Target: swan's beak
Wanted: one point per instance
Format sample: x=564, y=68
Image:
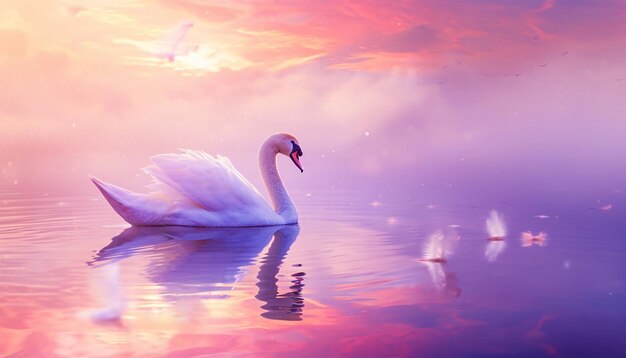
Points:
x=296, y=160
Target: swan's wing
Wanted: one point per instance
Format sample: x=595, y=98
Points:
x=174, y=38
x=210, y=182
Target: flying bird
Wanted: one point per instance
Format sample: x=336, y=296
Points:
x=171, y=44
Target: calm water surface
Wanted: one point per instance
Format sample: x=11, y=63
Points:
x=76, y=281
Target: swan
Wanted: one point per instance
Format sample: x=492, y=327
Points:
x=197, y=189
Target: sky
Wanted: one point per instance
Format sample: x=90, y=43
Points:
x=410, y=96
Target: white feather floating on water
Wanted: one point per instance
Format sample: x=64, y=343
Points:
x=528, y=239
x=439, y=247
x=496, y=228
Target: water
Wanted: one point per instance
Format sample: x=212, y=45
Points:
x=76, y=281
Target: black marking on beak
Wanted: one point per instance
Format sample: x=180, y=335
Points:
x=296, y=153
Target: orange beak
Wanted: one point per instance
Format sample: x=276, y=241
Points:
x=296, y=160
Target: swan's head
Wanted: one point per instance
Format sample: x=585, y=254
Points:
x=288, y=145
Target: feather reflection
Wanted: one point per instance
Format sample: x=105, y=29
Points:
x=494, y=249
x=437, y=249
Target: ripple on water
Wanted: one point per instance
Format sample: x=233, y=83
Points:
x=347, y=277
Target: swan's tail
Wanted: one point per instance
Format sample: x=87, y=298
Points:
x=122, y=201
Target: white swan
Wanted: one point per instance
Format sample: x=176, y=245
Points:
x=197, y=189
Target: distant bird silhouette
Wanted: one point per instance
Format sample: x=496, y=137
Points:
x=168, y=48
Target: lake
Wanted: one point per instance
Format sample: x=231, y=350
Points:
x=75, y=280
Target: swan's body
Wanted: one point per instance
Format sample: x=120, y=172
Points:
x=197, y=189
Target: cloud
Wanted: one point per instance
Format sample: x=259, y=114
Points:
x=431, y=84
x=204, y=11
x=13, y=42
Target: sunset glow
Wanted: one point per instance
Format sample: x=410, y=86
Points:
x=495, y=120
x=416, y=75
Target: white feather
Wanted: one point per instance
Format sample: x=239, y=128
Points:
x=495, y=225
x=439, y=247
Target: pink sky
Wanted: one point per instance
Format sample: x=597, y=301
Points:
x=371, y=88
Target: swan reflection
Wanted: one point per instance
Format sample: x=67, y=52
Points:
x=286, y=306
x=114, y=303
x=200, y=262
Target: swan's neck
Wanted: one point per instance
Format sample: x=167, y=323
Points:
x=274, y=184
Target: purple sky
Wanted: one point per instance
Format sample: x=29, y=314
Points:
x=442, y=93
